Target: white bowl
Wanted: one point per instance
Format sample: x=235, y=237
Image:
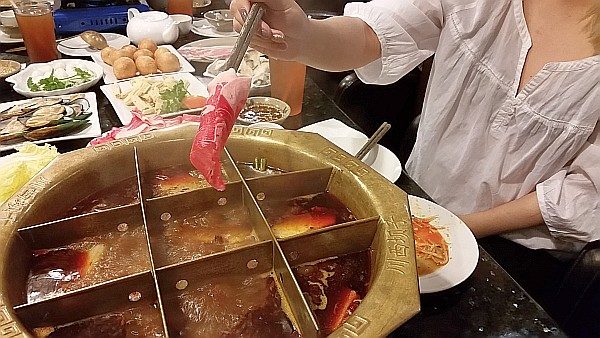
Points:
x=221, y=19
x=8, y=19
x=20, y=79
x=184, y=22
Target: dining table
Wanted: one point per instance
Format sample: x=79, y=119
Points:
x=488, y=303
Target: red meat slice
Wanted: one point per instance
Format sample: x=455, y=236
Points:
x=228, y=94
x=339, y=309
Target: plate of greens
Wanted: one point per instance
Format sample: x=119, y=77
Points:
x=160, y=94
x=57, y=77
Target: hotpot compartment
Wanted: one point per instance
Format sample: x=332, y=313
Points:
x=166, y=169
x=202, y=222
x=335, y=274
x=304, y=201
x=243, y=292
x=270, y=157
x=90, y=273
x=88, y=186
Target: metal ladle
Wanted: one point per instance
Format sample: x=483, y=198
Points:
x=94, y=39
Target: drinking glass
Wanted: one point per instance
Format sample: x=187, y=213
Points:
x=37, y=27
x=287, y=83
x=180, y=7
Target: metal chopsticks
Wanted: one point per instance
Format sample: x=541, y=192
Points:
x=373, y=140
x=243, y=41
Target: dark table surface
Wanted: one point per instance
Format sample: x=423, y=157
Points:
x=488, y=303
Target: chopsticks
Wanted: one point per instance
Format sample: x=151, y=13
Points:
x=243, y=41
x=373, y=140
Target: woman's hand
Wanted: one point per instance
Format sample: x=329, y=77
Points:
x=334, y=44
x=283, y=32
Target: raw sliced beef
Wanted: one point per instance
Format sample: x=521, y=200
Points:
x=228, y=94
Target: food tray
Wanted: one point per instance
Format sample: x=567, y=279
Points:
x=109, y=75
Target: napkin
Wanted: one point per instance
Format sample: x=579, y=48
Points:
x=351, y=140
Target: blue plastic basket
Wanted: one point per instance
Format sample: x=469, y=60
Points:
x=100, y=19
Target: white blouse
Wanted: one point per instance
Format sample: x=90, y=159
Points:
x=480, y=142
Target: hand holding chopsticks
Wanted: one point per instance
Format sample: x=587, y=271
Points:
x=243, y=41
x=373, y=140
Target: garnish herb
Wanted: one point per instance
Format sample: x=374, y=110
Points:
x=53, y=83
x=172, y=97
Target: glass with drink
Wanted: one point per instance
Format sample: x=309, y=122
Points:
x=180, y=7
x=37, y=27
x=287, y=83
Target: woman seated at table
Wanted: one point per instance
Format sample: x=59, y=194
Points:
x=508, y=137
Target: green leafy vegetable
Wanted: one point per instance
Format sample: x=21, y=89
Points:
x=32, y=86
x=53, y=83
x=173, y=97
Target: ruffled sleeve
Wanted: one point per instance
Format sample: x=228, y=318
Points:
x=570, y=199
x=408, y=31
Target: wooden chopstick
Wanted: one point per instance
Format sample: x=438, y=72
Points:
x=373, y=140
x=249, y=28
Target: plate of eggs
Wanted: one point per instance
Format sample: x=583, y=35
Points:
x=144, y=59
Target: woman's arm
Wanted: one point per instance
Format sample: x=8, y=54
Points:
x=568, y=203
x=518, y=214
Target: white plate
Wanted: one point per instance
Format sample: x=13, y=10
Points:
x=203, y=28
x=462, y=246
x=351, y=140
x=77, y=47
x=5, y=38
x=90, y=132
x=211, y=42
x=109, y=76
x=212, y=70
x=124, y=112
x=20, y=79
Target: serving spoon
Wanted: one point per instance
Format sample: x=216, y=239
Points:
x=94, y=39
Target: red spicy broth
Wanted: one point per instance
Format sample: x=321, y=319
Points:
x=301, y=214
x=122, y=193
x=143, y=321
x=334, y=287
x=232, y=306
x=176, y=180
x=89, y=261
x=204, y=232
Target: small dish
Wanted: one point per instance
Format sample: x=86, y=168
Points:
x=75, y=46
x=13, y=32
x=203, y=28
x=10, y=37
x=19, y=80
x=350, y=140
x=221, y=19
x=8, y=68
x=264, y=109
x=184, y=22
x=254, y=64
x=8, y=19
